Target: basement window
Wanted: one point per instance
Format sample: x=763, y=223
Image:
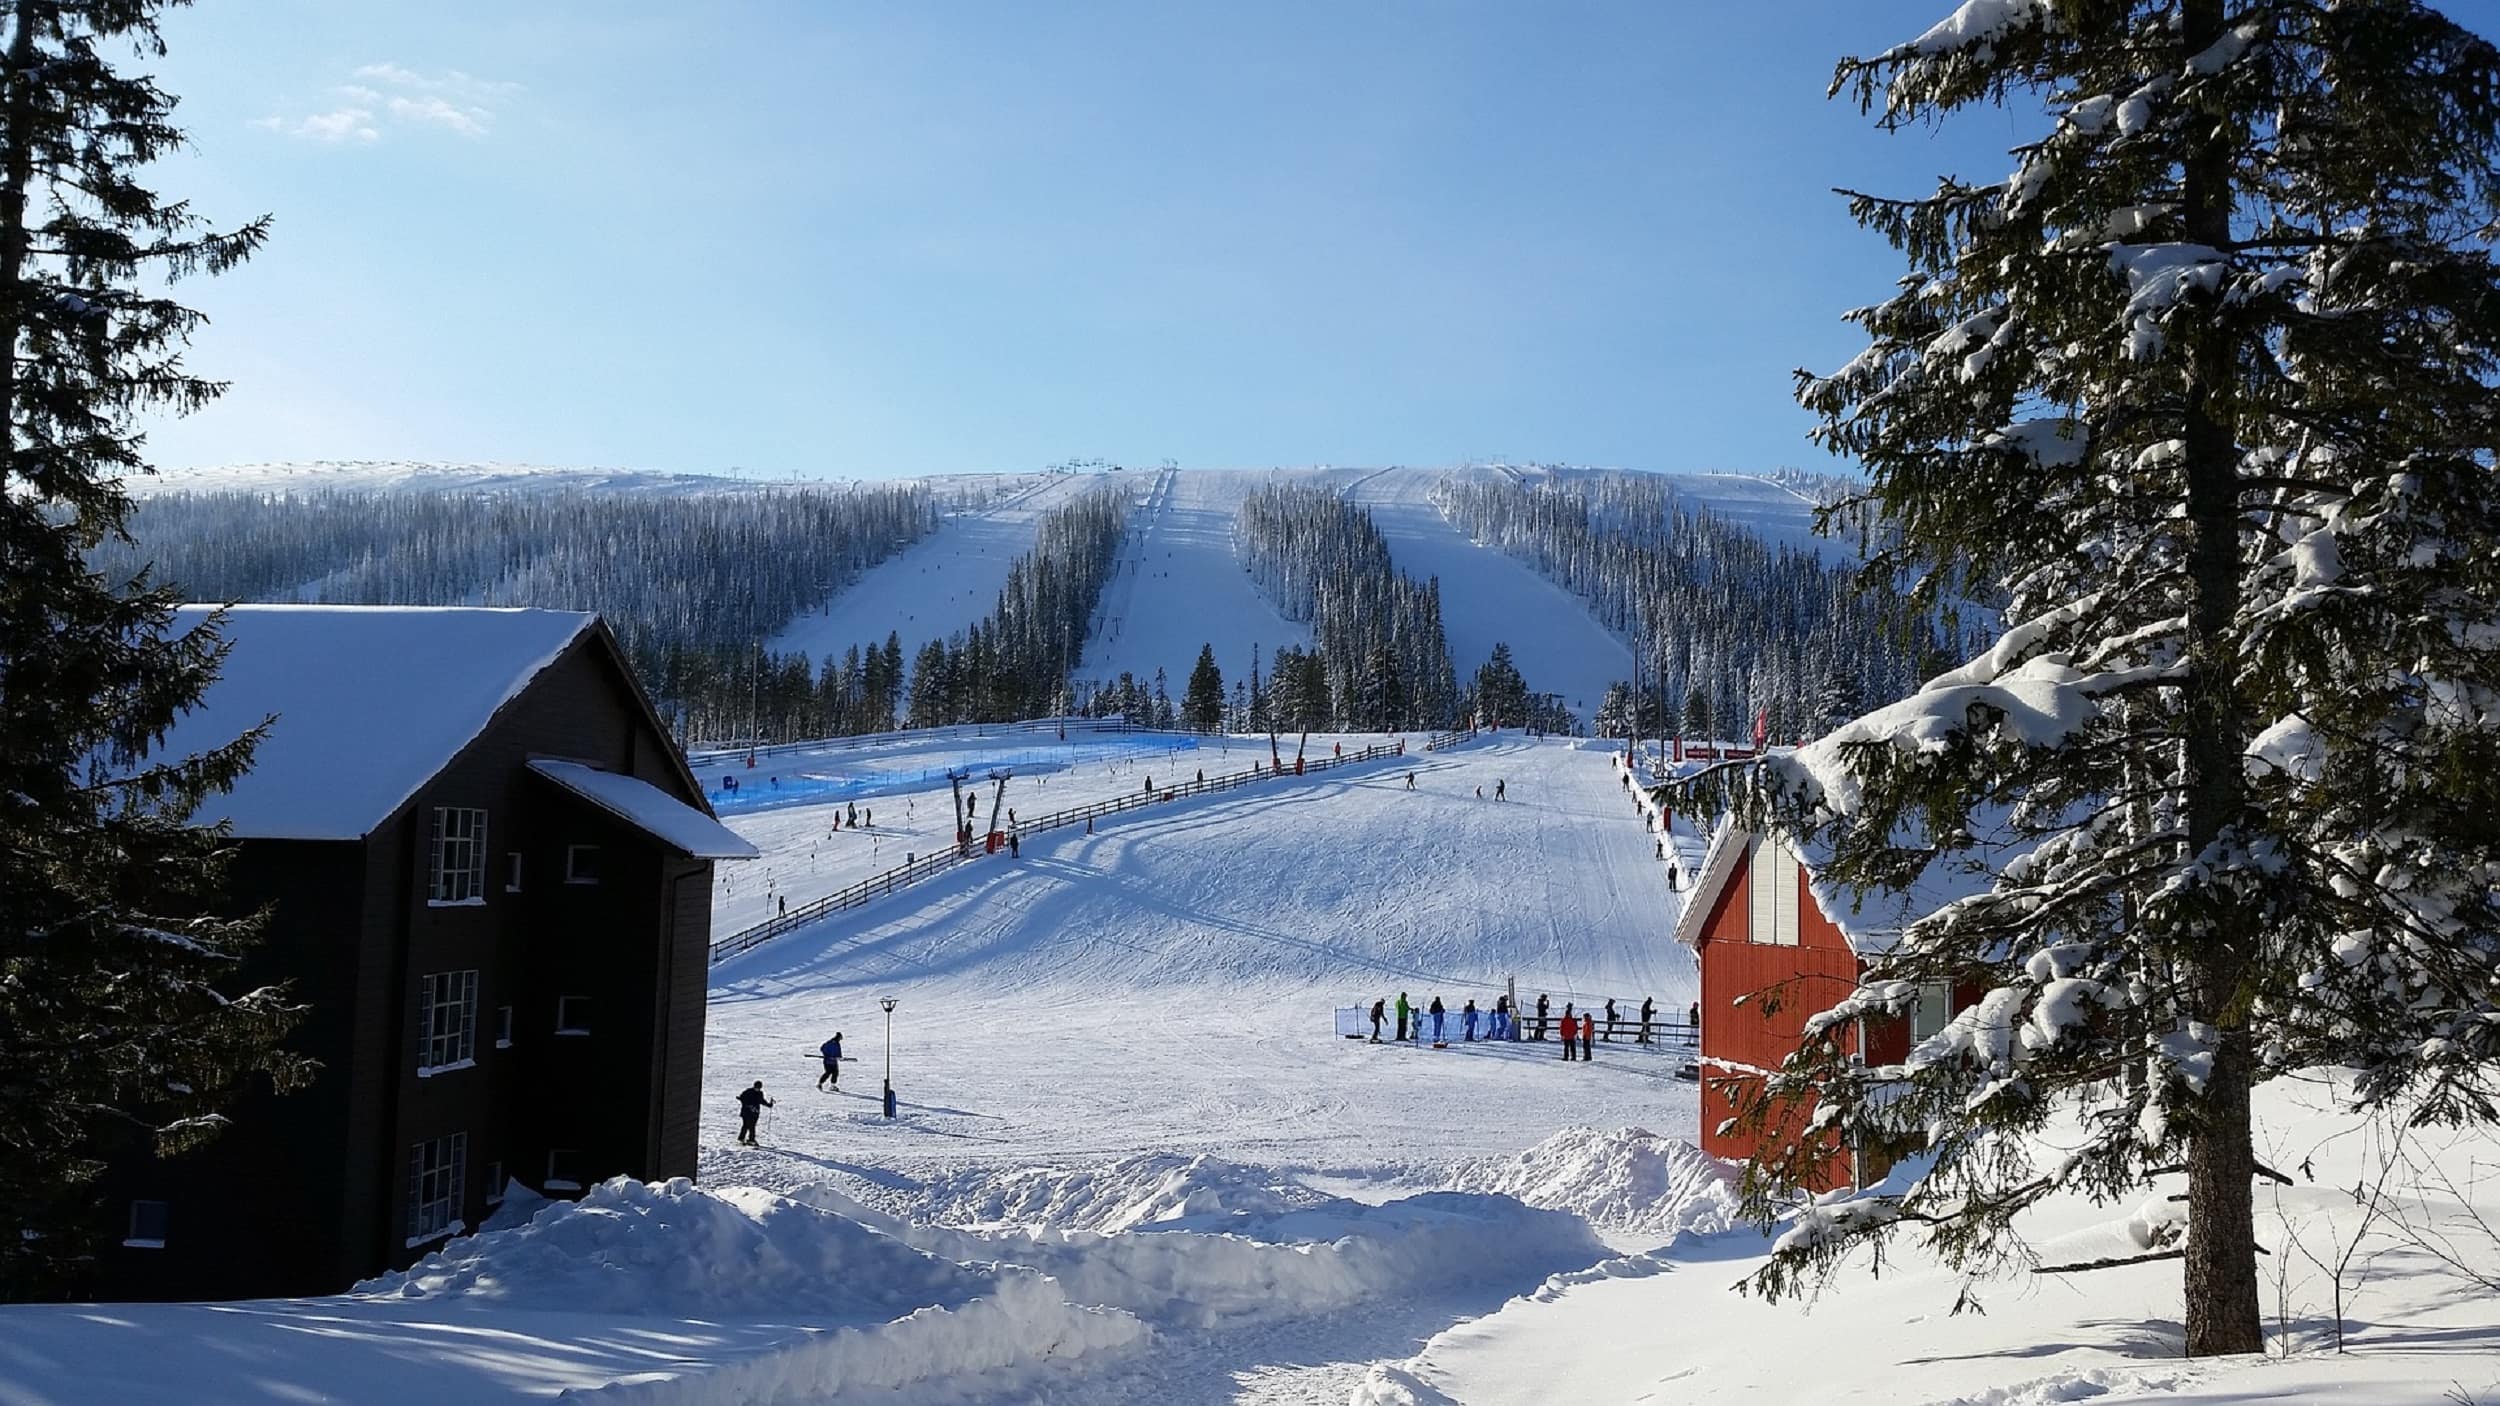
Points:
x=572, y=1015
x=564, y=1169
x=581, y=864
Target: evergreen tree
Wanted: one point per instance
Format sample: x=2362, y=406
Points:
x=1202, y=702
x=116, y=1038
x=2207, y=386
x=1501, y=694
x=1697, y=724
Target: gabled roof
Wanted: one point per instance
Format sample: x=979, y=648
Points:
x=1870, y=921
x=369, y=703
x=649, y=809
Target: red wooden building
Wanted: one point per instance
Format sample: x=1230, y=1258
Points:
x=1772, y=955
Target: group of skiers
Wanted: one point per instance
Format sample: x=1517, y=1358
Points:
x=1577, y=1027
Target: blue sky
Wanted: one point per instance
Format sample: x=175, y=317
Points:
x=833, y=239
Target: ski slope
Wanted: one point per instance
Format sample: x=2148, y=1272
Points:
x=945, y=582
x=1167, y=982
x=1489, y=598
x=1180, y=586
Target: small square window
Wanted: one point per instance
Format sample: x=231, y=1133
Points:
x=494, y=1182
x=564, y=1169
x=503, y=1027
x=512, y=871
x=148, y=1222
x=581, y=864
x=572, y=1015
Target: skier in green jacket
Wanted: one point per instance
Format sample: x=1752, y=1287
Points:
x=1404, y=1011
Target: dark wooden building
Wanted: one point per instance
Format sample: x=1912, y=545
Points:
x=491, y=875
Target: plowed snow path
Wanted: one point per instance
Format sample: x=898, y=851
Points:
x=1488, y=598
x=1168, y=984
x=942, y=583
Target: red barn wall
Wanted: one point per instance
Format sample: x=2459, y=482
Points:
x=1755, y=1000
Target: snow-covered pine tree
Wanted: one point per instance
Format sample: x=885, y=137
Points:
x=1202, y=701
x=2206, y=385
x=115, y=1037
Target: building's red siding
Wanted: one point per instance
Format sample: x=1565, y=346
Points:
x=1755, y=999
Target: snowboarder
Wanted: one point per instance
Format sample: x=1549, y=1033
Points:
x=1467, y=1020
x=1403, y=1009
x=1570, y=1028
x=1437, y=1017
x=1649, y=1007
x=751, y=1106
x=1379, y=1007
x=1610, y=1020
x=1588, y=1034
x=832, y=1051
x=1540, y=1016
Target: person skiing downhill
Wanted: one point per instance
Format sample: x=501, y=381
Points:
x=1404, y=1010
x=1437, y=1017
x=751, y=1106
x=1467, y=1020
x=832, y=1051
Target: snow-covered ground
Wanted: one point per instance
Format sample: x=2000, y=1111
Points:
x=1209, y=942
x=2418, y=1256
x=945, y=582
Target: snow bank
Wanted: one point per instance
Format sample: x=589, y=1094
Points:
x=871, y=1311
x=1239, y=1269
x=1145, y=1189
x=1008, y=1337
x=677, y=1250
x=1622, y=1179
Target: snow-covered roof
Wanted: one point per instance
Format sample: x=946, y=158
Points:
x=649, y=809
x=1870, y=921
x=370, y=702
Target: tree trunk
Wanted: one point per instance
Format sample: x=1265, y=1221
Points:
x=2221, y=1282
x=2221, y=1279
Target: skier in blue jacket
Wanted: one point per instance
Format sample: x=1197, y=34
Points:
x=832, y=1051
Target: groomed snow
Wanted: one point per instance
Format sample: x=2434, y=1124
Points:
x=1181, y=585
x=336, y=678
x=946, y=581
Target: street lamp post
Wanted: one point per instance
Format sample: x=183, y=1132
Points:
x=889, y=1003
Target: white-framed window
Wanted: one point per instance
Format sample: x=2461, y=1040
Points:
x=581, y=864
x=1772, y=878
x=149, y=1221
x=572, y=1015
x=564, y=1169
x=446, y=1022
x=512, y=871
x=437, y=1169
x=458, y=871
x=494, y=1182
x=1934, y=1008
x=503, y=1027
